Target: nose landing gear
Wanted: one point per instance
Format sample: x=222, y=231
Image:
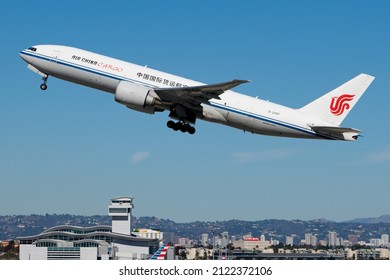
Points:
x=182, y=126
x=43, y=86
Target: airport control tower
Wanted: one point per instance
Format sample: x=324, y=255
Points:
x=120, y=211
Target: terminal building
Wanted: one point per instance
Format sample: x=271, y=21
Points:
x=102, y=242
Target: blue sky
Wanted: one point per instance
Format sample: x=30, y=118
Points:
x=71, y=149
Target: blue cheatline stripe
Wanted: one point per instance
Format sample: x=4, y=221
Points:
x=213, y=104
x=262, y=118
x=84, y=68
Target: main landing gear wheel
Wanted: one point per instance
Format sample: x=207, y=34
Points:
x=183, y=127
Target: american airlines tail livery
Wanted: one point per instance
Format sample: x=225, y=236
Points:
x=149, y=91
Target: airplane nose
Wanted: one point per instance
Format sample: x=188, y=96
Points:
x=27, y=54
x=24, y=56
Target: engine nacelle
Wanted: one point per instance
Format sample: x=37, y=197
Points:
x=136, y=97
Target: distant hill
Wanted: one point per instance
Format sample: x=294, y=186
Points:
x=13, y=226
x=381, y=219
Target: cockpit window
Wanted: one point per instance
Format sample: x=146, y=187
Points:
x=32, y=49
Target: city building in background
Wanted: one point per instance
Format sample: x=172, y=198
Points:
x=289, y=240
x=385, y=239
x=204, y=240
x=251, y=243
x=149, y=233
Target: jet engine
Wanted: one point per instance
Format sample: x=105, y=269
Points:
x=136, y=97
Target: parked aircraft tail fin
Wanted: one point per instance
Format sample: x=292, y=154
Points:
x=334, y=106
x=161, y=253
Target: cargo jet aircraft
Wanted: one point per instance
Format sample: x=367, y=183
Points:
x=149, y=91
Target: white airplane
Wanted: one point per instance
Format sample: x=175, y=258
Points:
x=146, y=90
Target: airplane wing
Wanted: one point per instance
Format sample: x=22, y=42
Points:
x=343, y=133
x=192, y=97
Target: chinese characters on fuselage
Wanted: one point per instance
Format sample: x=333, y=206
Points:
x=159, y=80
x=145, y=76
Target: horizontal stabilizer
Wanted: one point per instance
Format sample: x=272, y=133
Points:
x=340, y=133
x=328, y=129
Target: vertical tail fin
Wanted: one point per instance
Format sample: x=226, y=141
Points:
x=334, y=106
x=161, y=253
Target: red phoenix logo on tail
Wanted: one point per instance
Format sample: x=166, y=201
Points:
x=340, y=104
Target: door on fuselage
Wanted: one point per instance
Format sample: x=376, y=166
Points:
x=54, y=56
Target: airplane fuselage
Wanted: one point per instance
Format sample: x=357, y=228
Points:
x=233, y=109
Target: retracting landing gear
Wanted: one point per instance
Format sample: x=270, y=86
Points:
x=185, y=116
x=182, y=126
x=43, y=86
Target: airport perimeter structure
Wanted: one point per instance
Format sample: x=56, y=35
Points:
x=91, y=243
